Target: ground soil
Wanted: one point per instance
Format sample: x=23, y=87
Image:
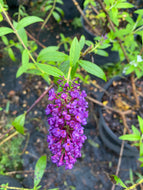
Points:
x=120, y=97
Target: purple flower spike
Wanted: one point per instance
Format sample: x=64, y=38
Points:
x=67, y=115
x=52, y=94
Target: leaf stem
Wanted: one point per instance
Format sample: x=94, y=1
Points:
x=69, y=72
x=15, y=31
x=49, y=15
x=8, y=138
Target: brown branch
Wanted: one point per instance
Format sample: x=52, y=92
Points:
x=39, y=43
x=134, y=90
x=39, y=99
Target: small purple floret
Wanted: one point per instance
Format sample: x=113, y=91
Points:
x=67, y=114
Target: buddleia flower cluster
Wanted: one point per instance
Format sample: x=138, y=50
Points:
x=67, y=115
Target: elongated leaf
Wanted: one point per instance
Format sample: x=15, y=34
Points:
x=5, y=30
x=23, y=69
x=23, y=35
x=5, y=40
x=141, y=159
x=44, y=51
x=139, y=11
x=82, y=42
x=119, y=181
x=74, y=52
x=56, y=16
x=141, y=149
x=11, y=54
x=140, y=123
x=60, y=10
x=39, y=169
x=50, y=70
x=18, y=123
x=102, y=53
x=25, y=57
x=130, y=137
x=92, y=69
x=52, y=56
x=27, y=21
x=64, y=67
x=124, y=5
x=135, y=130
x=60, y=1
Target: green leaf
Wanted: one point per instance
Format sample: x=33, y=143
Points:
x=27, y=21
x=102, y=53
x=23, y=35
x=1, y=17
x=5, y=40
x=74, y=52
x=92, y=143
x=124, y=5
x=60, y=1
x=25, y=57
x=48, y=55
x=23, y=69
x=11, y=54
x=140, y=120
x=130, y=137
x=5, y=30
x=140, y=159
x=119, y=181
x=18, y=123
x=141, y=149
x=135, y=130
x=139, y=11
x=46, y=77
x=82, y=42
x=39, y=169
x=50, y=70
x=48, y=7
x=92, y=69
x=56, y=16
x=1, y=108
x=64, y=67
x=60, y=10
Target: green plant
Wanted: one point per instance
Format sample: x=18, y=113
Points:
x=136, y=137
x=55, y=11
x=76, y=22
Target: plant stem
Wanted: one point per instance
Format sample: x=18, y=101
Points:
x=39, y=99
x=8, y=138
x=16, y=188
x=15, y=31
x=134, y=90
x=135, y=185
x=69, y=72
x=84, y=17
x=49, y=15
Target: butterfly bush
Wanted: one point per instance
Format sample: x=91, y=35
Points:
x=68, y=114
